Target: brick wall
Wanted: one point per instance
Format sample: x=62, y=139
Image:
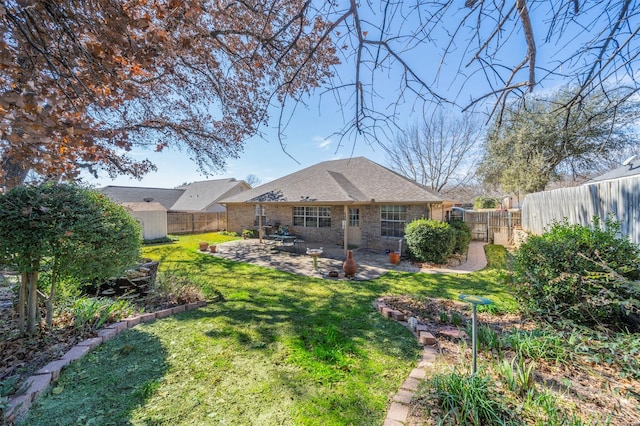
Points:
x=370, y=223
x=243, y=216
x=239, y=217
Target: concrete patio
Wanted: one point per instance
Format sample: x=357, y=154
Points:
x=371, y=263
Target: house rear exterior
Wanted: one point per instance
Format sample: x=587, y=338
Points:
x=355, y=202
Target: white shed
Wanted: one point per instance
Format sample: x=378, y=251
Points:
x=152, y=217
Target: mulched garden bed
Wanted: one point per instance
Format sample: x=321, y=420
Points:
x=594, y=389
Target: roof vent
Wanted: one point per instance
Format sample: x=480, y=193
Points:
x=148, y=199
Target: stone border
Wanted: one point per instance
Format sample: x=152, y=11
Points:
x=401, y=402
x=19, y=404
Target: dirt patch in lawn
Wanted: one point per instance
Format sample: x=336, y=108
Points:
x=591, y=390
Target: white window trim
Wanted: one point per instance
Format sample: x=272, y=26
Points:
x=317, y=216
x=402, y=221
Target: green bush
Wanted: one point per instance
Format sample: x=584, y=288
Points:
x=91, y=313
x=485, y=203
x=497, y=256
x=581, y=273
x=429, y=240
x=62, y=231
x=172, y=289
x=228, y=233
x=463, y=236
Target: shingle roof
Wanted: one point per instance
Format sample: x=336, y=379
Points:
x=631, y=169
x=199, y=195
x=196, y=196
x=354, y=180
x=144, y=207
x=132, y=194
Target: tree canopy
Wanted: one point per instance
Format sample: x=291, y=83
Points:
x=539, y=140
x=84, y=83
x=409, y=56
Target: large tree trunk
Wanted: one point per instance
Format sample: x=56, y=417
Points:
x=28, y=302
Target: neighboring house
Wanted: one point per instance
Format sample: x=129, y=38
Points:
x=133, y=194
x=152, y=218
x=630, y=168
x=204, y=196
x=200, y=196
x=195, y=198
x=616, y=193
x=354, y=202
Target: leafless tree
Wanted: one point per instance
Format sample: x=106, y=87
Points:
x=252, y=180
x=438, y=153
x=410, y=55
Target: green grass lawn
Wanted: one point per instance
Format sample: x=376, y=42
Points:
x=271, y=348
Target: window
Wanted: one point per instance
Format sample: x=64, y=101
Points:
x=264, y=216
x=392, y=221
x=312, y=217
x=354, y=217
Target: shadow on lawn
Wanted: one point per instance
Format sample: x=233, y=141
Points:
x=106, y=385
x=328, y=346
x=334, y=339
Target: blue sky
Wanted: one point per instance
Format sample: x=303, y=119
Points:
x=307, y=141
x=309, y=137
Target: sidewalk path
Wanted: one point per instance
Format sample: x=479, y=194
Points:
x=476, y=260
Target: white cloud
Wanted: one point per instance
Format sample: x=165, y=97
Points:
x=321, y=142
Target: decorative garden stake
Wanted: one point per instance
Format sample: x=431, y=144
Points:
x=474, y=300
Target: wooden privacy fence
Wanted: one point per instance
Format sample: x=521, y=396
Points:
x=580, y=204
x=494, y=226
x=195, y=222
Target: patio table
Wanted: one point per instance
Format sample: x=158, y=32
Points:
x=285, y=240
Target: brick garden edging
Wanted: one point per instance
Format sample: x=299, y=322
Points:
x=20, y=403
x=400, y=407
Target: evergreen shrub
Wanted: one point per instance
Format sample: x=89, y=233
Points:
x=587, y=274
x=430, y=240
x=463, y=236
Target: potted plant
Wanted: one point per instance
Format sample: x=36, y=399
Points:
x=203, y=245
x=394, y=257
x=247, y=233
x=212, y=248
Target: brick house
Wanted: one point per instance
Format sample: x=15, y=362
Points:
x=351, y=202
